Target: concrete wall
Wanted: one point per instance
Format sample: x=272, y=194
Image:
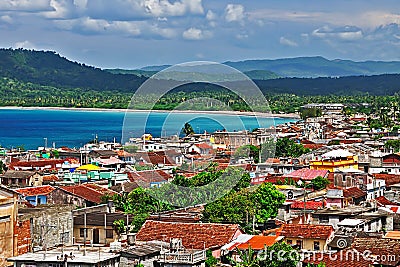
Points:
x=8, y=218
x=50, y=225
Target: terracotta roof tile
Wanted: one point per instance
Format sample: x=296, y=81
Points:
x=379, y=247
x=35, y=191
x=307, y=174
x=306, y=231
x=193, y=235
x=310, y=205
x=383, y=201
x=390, y=179
x=354, y=192
x=258, y=242
x=89, y=192
x=344, y=258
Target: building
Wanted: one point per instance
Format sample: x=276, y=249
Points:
x=307, y=236
x=196, y=236
x=49, y=225
x=335, y=160
x=35, y=195
x=8, y=221
x=13, y=178
x=68, y=256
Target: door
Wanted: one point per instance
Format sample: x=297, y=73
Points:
x=96, y=239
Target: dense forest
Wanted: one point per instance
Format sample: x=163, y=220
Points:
x=38, y=78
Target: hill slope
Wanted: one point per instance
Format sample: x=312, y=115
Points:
x=317, y=67
x=50, y=69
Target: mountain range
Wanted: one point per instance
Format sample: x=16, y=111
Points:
x=294, y=75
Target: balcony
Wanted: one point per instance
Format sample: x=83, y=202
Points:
x=185, y=257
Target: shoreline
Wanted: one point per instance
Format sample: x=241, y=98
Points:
x=220, y=112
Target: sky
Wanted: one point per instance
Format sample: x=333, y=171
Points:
x=136, y=33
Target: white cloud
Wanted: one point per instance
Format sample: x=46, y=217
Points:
x=347, y=33
x=165, y=8
x=196, y=34
x=127, y=28
x=6, y=19
x=285, y=41
x=24, y=44
x=211, y=15
x=25, y=5
x=234, y=12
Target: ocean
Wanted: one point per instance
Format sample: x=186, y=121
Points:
x=32, y=128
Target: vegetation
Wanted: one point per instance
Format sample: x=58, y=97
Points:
x=187, y=129
x=310, y=113
x=286, y=147
x=211, y=261
x=245, y=207
x=279, y=254
x=393, y=144
x=319, y=183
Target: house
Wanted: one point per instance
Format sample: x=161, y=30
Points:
x=98, y=222
x=8, y=220
x=71, y=256
x=84, y=195
x=49, y=225
x=385, y=251
x=193, y=235
x=13, y=178
x=338, y=159
x=332, y=216
x=341, y=198
x=307, y=236
x=200, y=148
x=389, y=164
x=184, y=215
x=35, y=195
x=149, y=178
x=306, y=174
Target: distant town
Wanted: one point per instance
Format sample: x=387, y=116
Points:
x=321, y=191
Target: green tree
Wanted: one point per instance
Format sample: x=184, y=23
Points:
x=248, y=151
x=211, y=261
x=319, y=183
x=280, y=254
x=248, y=258
x=187, y=129
x=286, y=147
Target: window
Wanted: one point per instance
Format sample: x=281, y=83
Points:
x=344, y=178
x=289, y=242
x=299, y=244
x=82, y=232
x=109, y=233
x=316, y=245
x=324, y=219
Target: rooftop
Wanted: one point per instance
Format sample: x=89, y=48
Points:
x=311, y=231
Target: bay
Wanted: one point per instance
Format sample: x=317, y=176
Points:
x=74, y=128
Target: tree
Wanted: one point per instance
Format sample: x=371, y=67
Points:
x=280, y=254
x=286, y=147
x=267, y=200
x=248, y=151
x=248, y=258
x=187, y=129
x=319, y=183
x=211, y=261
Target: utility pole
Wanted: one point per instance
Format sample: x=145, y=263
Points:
x=84, y=235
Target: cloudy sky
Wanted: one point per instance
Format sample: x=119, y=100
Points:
x=136, y=33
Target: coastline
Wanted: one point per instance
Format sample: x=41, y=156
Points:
x=226, y=112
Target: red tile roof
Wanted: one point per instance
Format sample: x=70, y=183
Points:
x=310, y=231
x=40, y=163
x=344, y=258
x=258, y=242
x=35, y=191
x=50, y=178
x=89, y=192
x=203, y=146
x=354, y=192
x=383, y=201
x=390, y=179
x=193, y=235
x=149, y=176
x=381, y=247
x=310, y=205
x=307, y=174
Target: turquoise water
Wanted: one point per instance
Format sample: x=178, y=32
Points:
x=75, y=128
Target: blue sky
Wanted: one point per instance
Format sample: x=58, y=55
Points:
x=136, y=33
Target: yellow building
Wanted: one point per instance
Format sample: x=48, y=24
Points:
x=335, y=160
x=8, y=222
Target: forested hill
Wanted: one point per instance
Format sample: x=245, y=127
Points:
x=50, y=69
